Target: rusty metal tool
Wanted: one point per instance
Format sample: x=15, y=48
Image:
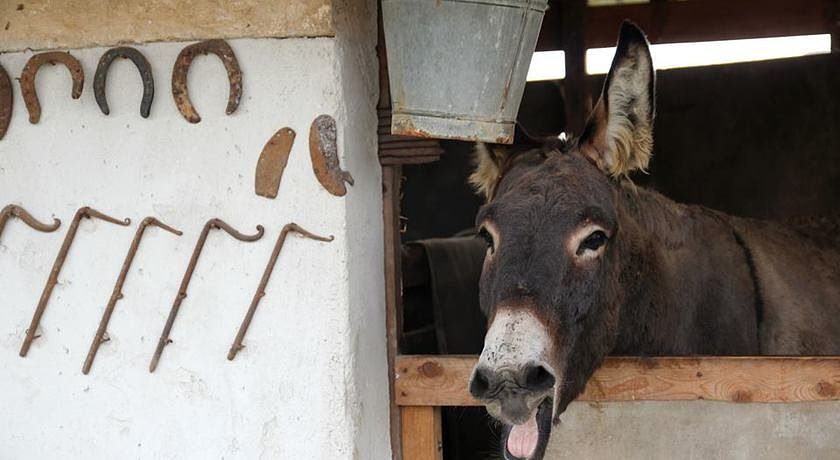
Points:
x=143, y=66
x=16, y=211
x=82, y=213
x=185, y=281
x=323, y=149
x=272, y=261
x=182, y=66
x=117, y=294
x=272, y=162
x=6, y=101
x=30, y=70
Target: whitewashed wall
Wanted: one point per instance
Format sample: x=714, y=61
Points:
x=311, y=382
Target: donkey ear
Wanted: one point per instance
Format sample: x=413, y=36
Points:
x=618, y=136
x=490, y=163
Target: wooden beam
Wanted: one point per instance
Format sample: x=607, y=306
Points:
x=391, y=177
x=698, y=20
x=421, y=432
x=442, y=380
x=577, y=100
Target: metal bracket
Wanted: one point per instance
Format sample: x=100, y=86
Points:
x=101, y=78
x=84, y=212
x=117, y=294
x=16, y=211
x=246, y=322
x=185, y=281
x=30, y=70
x=182, y=65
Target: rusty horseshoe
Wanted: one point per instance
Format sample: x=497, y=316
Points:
x=143, y=66
x=16, y=211
x=185, y=281
x=84, y=212
x=292, y=227
x=323, y=149
x=6, y=101
x=117, y=294
x=182, y=65
x=30, y=70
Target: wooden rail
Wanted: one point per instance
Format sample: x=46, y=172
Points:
x=442, y=380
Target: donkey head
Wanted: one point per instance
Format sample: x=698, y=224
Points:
x=552, y=275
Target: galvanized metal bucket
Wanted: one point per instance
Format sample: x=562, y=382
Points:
x=458, y=67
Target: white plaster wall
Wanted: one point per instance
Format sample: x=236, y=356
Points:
x=294, y=391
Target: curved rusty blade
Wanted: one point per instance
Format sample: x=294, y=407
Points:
x=182, y=66
x=117, y=294
x=30, y=70
x=272, y=261
x=84, y=212
x=323, y=149
x=17, y=211
x=185, y=281
x=272, y=162
x=6, y=101
x=100, y=79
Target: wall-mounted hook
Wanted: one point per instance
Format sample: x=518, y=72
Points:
x=185, y=281
x=16, y=211
x=182, y=66
x=101, y=78
x=6, y=101
x=27, y=79
x=117, y=294
x=84, y=212
x=246, y=322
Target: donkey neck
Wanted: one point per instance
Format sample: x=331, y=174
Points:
x=688, y=285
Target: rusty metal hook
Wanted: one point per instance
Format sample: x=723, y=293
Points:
x=323, y=150
x=117, y=294
x=6, y=101
x=16, y=211
x=185, y=281
x=27, y=79
x=84, y=212
x=246, y=322
x=143, y=66
x=182, y=65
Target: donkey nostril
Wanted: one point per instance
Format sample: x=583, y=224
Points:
x=480, y=383
x=538, y=378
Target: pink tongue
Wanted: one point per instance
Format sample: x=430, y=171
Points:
x=522, y=440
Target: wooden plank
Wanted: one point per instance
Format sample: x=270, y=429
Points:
x=442, y=380
x=698, y=20
x=391, y=177
x=421, y=431
x=48, y=24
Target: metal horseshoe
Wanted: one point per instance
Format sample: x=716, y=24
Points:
x=182, y=65
x=185, y=281
x=117, y=294
x=27, y=79
x=16, y=211
x=6, y=101
x=240, y=335
x=101, y=77
x=84, y=212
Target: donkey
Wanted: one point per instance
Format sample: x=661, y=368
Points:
x=581, y=263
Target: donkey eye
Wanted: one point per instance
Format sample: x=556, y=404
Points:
x=488, y=239
x=592, y=242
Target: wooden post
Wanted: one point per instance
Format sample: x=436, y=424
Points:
x=421, y=431
x=576, y=94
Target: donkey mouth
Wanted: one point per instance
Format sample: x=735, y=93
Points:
x=528, y=440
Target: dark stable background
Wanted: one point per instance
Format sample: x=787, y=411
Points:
x=754, y=139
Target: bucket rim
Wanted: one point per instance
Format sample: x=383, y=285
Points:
x=535, y=5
